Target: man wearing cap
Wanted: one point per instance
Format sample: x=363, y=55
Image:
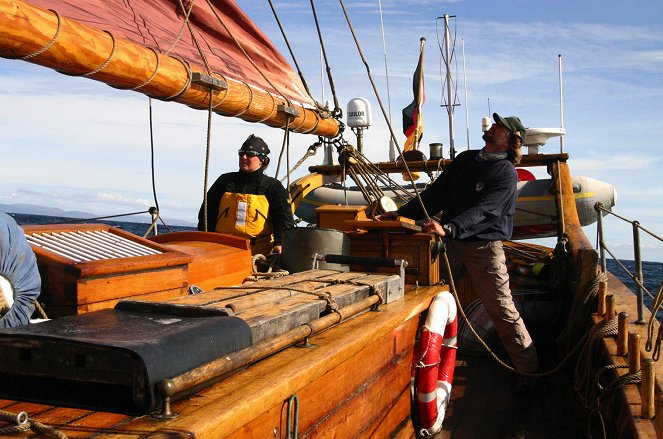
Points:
x=476, y=195
x=249, y=203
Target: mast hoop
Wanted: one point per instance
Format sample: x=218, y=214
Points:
x=225, y=95
x=148, y=80
x=102, y=66
x=50, y=43
x=295, y=129
x=154, y=73
x=248, y=87
x=274, y=107
x=315, y=126
x=186, y=85
x=108, y=60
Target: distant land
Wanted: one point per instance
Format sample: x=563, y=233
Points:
x=33, y=209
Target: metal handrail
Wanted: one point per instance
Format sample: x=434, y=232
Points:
x=638, y=277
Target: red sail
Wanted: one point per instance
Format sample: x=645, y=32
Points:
x=161, y=25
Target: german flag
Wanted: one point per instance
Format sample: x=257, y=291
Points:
x=413, y=118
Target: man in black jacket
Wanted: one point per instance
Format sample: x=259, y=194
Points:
x=476, y=195
x=249, y=203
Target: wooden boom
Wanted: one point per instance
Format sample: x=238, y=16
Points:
x=44, y=37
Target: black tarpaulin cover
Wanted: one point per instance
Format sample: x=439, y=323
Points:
x=111, y=359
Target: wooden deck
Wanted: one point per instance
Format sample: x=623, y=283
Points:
x=485, y=405
x=354, y=379
x=252, y=403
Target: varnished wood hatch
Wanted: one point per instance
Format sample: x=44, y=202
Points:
x=87, y=267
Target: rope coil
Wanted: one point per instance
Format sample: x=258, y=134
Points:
x=583, y=369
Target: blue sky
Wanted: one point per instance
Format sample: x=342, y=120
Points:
x=77, y=144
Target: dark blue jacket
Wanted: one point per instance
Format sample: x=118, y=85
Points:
x=476, y=197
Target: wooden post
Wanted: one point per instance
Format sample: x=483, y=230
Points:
x=610, y=310
x=622, y=334
x=633, y=352
x=647, y=388
x=603, y=290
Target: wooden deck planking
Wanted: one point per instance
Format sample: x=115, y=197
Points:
x=236, y=401
x=484, y=403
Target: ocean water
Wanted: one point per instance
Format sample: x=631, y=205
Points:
x=139, y=229
x=652, y=272
x=652, y=275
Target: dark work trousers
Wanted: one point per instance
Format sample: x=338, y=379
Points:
x=485, y=263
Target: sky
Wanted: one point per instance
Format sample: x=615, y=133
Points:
x=77, y=144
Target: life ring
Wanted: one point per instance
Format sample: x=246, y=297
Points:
x=434, y=366
x=20, y=283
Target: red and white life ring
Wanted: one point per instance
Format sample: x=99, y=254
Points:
x=434, y=365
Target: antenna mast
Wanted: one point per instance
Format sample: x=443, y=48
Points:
x=561, y=107
x=467, y=107
x=450, y=96
x=392, y=151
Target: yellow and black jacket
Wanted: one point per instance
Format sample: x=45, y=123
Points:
x=248, y=204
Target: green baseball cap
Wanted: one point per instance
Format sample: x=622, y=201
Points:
x=513, y=124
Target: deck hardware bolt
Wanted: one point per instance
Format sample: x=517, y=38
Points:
x=166, y=388
x=305, y=344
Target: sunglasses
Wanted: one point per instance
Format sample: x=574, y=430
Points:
x=248, y=154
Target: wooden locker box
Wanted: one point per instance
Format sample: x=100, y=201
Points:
x=85, y=267
x=413, y=247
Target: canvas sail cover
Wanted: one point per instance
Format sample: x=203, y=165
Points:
x=161, y=25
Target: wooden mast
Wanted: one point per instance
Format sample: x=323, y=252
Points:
x=44, y=37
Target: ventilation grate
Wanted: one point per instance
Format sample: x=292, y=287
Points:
x=85, y=246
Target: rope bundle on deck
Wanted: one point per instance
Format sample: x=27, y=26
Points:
x=21, y=422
